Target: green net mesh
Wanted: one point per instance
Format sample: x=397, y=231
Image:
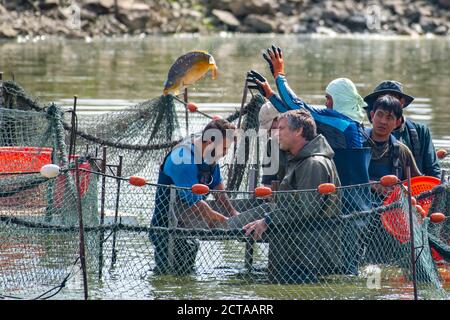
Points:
x=351, y=244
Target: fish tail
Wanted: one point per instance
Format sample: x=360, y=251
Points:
x=214, y=72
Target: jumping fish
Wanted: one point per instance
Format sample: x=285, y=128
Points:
x=189, y=68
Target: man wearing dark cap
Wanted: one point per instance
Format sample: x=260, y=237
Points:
x=416, y=136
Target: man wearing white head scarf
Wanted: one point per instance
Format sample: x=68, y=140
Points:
x=341, y=124
x=345, y=99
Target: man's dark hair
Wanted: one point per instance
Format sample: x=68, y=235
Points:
x=219, y=124
x=301, y=118
x=390, y=104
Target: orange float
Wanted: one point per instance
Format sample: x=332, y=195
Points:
x=137, y=181
x=437, y=217
x=200, y=189
x=326, y=188
x=192, y=107
x=389, y=180
x=263, y=191
x=420, y=210
x=441, y=153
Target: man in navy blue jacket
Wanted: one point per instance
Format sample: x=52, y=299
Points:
x=416, y=136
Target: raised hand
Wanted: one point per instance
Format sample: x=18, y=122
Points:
x=257, y=81
x=274, y=58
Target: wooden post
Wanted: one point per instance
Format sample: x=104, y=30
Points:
x=81, y=231
x=186, y=111
x=73, y=129
x=172, y=225
x=102, y=213
x=275, y=245
x=250, y=242
x=241, y=111
x=116, y=213
x=2, y=101
x=411, y=231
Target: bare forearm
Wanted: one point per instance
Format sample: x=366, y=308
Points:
x=207, y=213
x=224, y=201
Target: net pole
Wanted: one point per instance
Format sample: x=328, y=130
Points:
x=73, y=129
x=250, y=242
x=102, y=212
x=116, y=213
x=186, y=112
x=244, y=98
x=81, y=232
x=172, y=225
x=411, y=231
x=1, y=90
x=443, y=174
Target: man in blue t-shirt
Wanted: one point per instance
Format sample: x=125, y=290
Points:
x=190, y=163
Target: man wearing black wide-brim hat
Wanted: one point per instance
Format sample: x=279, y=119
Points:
x=416, y=136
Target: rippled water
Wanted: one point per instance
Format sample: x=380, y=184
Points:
x=111, y=74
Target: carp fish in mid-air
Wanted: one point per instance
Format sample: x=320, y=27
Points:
x=187, y=69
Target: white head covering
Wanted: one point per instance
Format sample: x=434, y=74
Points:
x=346, y=99
x=267, y=114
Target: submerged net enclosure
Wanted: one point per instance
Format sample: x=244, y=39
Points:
x=353, y=243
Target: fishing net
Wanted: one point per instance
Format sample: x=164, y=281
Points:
x=353, y=243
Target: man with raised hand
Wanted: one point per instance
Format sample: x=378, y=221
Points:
x=340, y=122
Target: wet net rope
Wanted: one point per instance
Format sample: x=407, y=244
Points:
x=351, y=244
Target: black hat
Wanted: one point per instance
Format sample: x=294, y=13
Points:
x=387, y=86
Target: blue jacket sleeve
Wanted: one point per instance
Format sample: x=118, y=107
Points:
x=278, y=103
x=323, y=117
x=289, y=98
x=292, y=102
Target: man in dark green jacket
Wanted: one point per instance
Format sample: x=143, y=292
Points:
x=416, y=136
x=304, y=242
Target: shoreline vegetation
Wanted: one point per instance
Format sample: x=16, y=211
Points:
x=108, y=18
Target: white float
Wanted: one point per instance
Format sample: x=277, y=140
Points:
x=50, y=170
